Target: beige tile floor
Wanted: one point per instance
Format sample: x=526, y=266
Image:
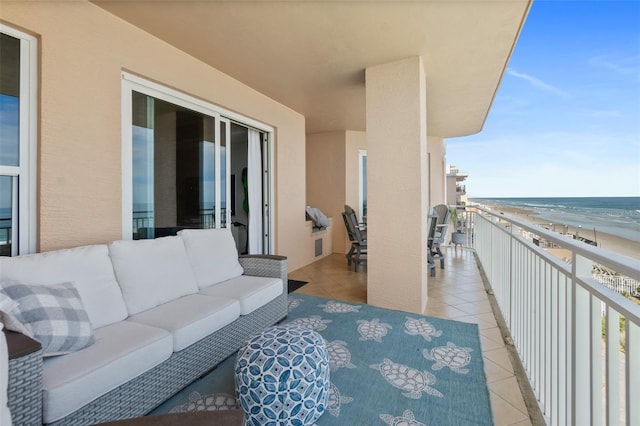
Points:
x=455, y=293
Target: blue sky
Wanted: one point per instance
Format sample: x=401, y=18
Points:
x=566, y=119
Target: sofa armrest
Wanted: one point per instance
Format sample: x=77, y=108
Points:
x=265, y=265
x=20, y=345
x=25, y=378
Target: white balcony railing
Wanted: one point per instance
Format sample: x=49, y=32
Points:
x=579, y=341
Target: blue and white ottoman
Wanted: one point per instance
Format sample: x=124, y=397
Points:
x=282, y=377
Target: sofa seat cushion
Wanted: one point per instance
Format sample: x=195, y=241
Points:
x=121, y=351
x=191, y=318
x=252, y=292
x=88, y=267
x=152, y=272
x=212, y=254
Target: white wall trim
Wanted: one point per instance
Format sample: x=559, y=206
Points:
x=271, y=218
x=127, y=160
x=28, y=131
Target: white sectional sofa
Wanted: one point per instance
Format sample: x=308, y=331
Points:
x=162, y=313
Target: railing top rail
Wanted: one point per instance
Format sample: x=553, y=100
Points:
x=619, y=263
x=621, y=304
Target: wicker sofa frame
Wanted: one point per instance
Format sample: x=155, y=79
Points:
x=25, y=379
x=145, y=392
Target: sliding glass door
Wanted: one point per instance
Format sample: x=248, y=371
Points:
x=180, y=171
x=179, y=168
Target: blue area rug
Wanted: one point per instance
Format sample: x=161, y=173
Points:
x=387, y=367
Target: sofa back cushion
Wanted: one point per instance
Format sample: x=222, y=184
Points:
x=88, y=267
x=212, y=255
x=152, y=272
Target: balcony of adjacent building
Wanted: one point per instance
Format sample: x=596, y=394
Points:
x=456, y=189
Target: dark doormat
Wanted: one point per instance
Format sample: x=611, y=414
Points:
x=295, y=284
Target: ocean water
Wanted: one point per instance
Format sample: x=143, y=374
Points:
x=614, y=215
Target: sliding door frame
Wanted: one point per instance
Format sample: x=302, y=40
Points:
x=131, y=83
x=362, y=181
x=24, y=203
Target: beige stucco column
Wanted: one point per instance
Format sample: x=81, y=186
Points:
x=397, y=185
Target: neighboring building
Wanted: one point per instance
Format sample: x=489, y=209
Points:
x=126, y=117
x=456, y=189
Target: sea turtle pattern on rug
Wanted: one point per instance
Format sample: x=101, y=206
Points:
x=451, y=356
x=293, y=303
x=387, y=367
x=408, y=379
x=314, y=322
x=336, y=400
x=339, y=355
x=333, y=307
x=407, y=419
x=421, y=327
x=373, y=330
x=213, y=402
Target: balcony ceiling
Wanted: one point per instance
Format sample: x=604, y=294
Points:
x=311, y=55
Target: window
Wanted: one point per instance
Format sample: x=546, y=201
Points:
x=177, y=166
x=17, y=142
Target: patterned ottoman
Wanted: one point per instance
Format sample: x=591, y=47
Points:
x=282, y=377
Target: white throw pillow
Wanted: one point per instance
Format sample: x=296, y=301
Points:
x=6, y=303
x=7, y=306
x=53, y=315
x=152, y=272
x=212, y=254
x=88, y=267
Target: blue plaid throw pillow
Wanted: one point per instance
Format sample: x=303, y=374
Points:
x=54, y=316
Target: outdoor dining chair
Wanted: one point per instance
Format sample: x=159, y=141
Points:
x=358, y=251
x=439, y=221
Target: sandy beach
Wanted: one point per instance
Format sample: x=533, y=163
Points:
x=608, y=242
